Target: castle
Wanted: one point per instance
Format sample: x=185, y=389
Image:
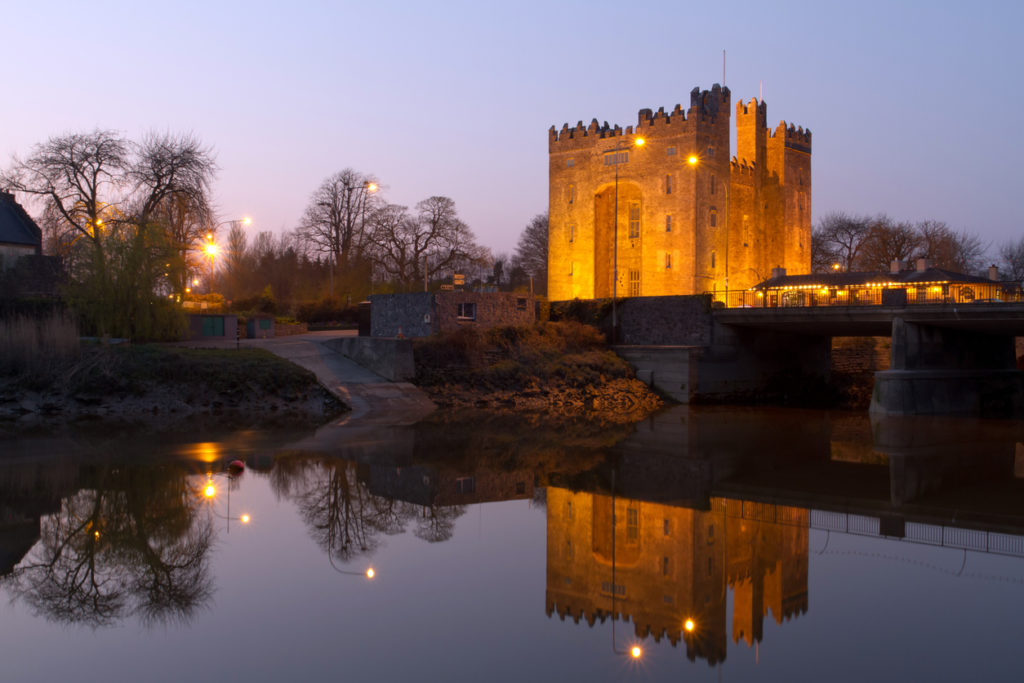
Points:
x=689, y=218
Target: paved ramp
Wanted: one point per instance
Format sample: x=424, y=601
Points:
x=373, y=399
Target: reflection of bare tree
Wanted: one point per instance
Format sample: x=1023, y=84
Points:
x=137, y=550
x=344, y=518
x=436, y=523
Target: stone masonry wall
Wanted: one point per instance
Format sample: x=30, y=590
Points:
x=408, y=314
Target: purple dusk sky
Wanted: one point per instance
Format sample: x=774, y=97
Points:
x=915, y=107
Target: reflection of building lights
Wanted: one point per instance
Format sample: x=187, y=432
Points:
x=689, y=625
x=96, y=534
x=636, y=652
x=370, y=573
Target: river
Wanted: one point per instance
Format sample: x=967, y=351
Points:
x=702, y=544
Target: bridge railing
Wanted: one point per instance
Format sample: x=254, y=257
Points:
x=806, y=297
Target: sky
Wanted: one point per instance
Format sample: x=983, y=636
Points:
x=915, y=107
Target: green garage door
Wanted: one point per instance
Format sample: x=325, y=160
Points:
x=213, y=326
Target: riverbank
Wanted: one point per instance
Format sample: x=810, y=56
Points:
x=159, y=385
x=559, y=369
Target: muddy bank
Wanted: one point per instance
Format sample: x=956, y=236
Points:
x=160, y=386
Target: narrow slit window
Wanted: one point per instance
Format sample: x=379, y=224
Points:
x=634, y=220
x=668, y=223
x=668, y=184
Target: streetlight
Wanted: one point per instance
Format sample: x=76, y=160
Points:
x=210, y=248
x=618, y=158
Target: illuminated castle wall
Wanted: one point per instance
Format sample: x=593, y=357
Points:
x=674, y=563
x=683, y=228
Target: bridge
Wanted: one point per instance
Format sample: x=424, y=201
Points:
x=952, y=357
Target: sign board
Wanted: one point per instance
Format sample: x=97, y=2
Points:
x=447, y=288
x=458, y=279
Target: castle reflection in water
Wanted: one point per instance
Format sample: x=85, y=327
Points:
x=674, y=564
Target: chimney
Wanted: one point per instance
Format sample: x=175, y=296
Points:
x=993, y=273
x=778, y=272
x=923, y=264
x=896, y=266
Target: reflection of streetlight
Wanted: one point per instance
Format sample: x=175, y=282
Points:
x=618, y=155
x=210, y=493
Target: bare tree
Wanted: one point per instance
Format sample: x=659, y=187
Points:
x=335, y=221
x=78, y=178
x=838, y=239
x=1011, y=255
x=408, y=249
x=532, y=252
x=887, y=241
x=945, y=248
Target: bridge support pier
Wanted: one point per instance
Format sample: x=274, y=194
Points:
x=949, y=371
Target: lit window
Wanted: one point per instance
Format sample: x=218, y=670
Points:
x=634, y=220
x=668, y=184
x=668, y=223
x=466, y=311
x=634, y=283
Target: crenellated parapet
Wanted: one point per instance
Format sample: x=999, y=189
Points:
x=795, y=136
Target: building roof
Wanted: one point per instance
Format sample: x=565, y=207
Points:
x=866, y=278
x=16, y=226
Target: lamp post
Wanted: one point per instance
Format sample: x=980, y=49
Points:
x=635, y=651
x=616, y=160
x=211, y=249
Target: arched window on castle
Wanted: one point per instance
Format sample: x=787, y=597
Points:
x=634, y=220
x=713, y=217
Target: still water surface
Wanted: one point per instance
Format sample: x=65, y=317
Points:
x=731, y=545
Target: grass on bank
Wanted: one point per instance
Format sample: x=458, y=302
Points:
x=511, y=358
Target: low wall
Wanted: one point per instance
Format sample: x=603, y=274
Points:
x=389, y=358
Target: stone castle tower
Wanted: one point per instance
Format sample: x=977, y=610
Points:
x=690, y=218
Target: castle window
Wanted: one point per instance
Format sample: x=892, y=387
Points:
x=520, y=306
x=712, y=183
x=572, y=194
x=634, y=220
x=713, y=218
x=665, y=526
x=664, y=566
x=465, y=311
x=572, y=233
x=712, y=259
x=671, y=151
x=613, y=158
x=710, y=567
x=632, y=524
x=568, y=509
x=668, y=184
x=711, y=151
x=466, y=484
x=668, y=223
x=634, y=283
x=570, y=163
x=668, y=260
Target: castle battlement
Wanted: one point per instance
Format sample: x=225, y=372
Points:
x=742, y=168
x=793, y=133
